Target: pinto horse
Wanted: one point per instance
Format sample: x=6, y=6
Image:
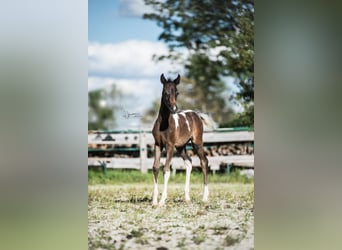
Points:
x=174, y=129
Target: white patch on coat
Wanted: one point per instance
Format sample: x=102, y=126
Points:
x=164, y=194
x=175, y=118
x=188, y=167
x=186, y=119
x=205, y=193
x=155, y=193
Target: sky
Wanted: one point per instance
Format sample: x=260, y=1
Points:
x=112, y=21
x=120, y=49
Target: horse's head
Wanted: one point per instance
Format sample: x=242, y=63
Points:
x=170, y=93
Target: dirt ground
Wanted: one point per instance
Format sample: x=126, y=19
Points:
x=121, y=217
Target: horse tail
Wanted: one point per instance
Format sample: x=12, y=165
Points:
x=207, y=120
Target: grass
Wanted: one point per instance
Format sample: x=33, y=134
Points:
x=199, y=235
x=135, y=176
x=229, y=240
x=120, y=216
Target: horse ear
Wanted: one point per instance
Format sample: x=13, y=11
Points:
x=162, y=79
x=176, y=81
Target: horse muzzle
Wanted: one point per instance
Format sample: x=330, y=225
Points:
x=173, y=109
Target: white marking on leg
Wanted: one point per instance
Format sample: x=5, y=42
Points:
x=188, y=167
x=186, y=120
x=205, y=193
x=175, y=118
x=164, y=194
x=155, y=193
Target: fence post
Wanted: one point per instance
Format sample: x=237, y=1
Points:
x=228, y=169
x=104, y=168
x=143, y=152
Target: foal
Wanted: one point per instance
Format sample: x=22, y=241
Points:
x=174, y=129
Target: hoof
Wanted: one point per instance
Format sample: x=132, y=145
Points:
x=187, y=201
x=161, y=204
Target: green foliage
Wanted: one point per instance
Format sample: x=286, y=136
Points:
x=101, y=108
x=243, y=119
x=219, y=36
x=208, y=86
x=205, y=95
x=151, y=114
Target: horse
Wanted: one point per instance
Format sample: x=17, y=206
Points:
x=172, y=129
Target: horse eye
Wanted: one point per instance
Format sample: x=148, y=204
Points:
x=177, y=93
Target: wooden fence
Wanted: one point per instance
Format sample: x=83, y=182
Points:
x=141, y=144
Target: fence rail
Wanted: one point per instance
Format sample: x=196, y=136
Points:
x=141, y=140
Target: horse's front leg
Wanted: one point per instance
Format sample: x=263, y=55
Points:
x=156, y=165
x=169, y=154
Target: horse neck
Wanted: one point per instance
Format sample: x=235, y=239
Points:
x=164, y=114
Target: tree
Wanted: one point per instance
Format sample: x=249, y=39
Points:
x=192, y=96
x=101, y=108
x=151, y=114
x=208, y=89
x=219, y=37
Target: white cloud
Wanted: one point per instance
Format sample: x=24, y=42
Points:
x=138, y=96
x=131, y=58
x=147, y=87
x=129, y=65
x=133, y=8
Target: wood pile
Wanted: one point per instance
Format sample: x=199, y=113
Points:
x=133, y=151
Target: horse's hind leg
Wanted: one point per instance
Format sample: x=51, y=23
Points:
x=188, y=166
x=204, y=164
